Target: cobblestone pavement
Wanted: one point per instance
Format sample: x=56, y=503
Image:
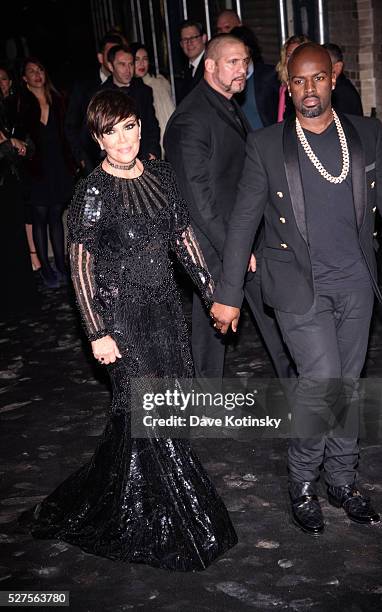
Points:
x=53, y=407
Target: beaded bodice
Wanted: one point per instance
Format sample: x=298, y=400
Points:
x=120, y=234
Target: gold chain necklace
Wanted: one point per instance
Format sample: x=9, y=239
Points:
x=314, y=159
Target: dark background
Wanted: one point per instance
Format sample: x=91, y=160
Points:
x=58, y=32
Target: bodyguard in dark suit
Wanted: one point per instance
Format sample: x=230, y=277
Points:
x=316, y=181
x=205, y=143
x=121, y=63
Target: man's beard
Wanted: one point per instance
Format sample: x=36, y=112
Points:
x=228, y=87
x=309, y=113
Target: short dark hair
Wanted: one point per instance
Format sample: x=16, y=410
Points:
x=116, y=49
x=5, y=68
x=116, y=39
x=189, y=23
x=108, y=107
x=335, y=52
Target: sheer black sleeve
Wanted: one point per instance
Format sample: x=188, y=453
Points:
x=185, y=244
x=84, y=227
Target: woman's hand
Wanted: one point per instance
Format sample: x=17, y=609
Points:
x=19, y=145
x=105, y=350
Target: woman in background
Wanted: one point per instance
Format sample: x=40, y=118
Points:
x=163, y=103
x=49, y=174
x=10, y=110
x=18, y=290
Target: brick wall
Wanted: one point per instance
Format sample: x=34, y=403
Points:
x=262, y=17
x=356, y=26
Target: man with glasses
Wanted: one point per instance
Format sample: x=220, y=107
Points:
x=193, y=42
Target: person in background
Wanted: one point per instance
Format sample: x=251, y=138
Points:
x=18, y=289
x=345, y=97
x=285, y=105
x=121, y=65
x=49, y=173
x=193, y=41
x=84, y=149
x=226, y=21
x=10, y=109
x=259, y=99
x=163, y=102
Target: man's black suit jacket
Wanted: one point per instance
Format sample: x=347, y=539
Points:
x=345, y=97
x=189, y=82
x=206, y=147
x=143, y=97
x=266, y=85
x=82, y=144
x=271, y=186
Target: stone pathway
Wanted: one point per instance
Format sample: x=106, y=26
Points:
x=52, y=408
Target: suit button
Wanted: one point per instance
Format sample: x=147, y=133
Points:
x=372, y=185
x=285, y=246
x=280, y=194
x=374, y=208
x=282, y=220
x=375, y=234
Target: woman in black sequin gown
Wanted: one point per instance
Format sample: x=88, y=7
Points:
x=144, y=500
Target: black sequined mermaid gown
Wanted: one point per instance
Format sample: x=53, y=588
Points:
x=144, y=500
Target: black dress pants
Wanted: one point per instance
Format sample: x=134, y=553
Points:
x=328, y=345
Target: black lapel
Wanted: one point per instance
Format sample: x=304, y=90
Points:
x=357, y=160
x=222, y=110
x=199, y=71
x=293, y=175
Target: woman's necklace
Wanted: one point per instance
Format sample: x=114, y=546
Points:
x=316, y=162
x=122, y=166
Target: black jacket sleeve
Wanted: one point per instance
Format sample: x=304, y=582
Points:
x=150, y=126
x=245, y=219
x=188, y=149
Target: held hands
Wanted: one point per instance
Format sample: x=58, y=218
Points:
x=224, y=317
x=105, y=350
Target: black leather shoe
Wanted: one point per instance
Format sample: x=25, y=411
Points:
x=306, y=509
x=357, y=506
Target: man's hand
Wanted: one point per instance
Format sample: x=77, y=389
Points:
x=252, y=264
x=225, y=316
x=105, y=350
